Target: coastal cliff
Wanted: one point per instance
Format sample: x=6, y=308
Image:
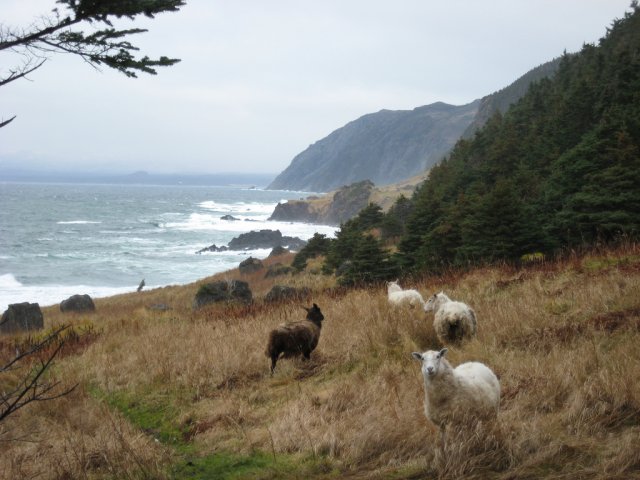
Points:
x=391, y=146
x=339, y=206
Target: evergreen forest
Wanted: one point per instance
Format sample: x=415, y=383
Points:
x=559, y=170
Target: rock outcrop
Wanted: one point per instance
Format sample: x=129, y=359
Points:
x=221, y=291
x=282, y=293
x=296, y=211
x=78, y=303
x=278, y=251
x=250, y=265
x=258, y=239
x=278, y=269
x=338, y=207
x=21, y=317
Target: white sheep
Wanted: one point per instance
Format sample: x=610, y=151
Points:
x=469, y=392
x=453, y=321
x=398, y=296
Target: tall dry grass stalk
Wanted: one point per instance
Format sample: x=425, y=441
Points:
x=562, y=337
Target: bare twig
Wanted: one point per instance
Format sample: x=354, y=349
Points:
x=31, y=387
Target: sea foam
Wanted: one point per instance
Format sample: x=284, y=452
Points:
x=12, y=291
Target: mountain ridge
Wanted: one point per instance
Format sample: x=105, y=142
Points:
x=390, y=146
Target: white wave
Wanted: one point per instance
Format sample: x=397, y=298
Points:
x=7, y=280
x=195, y=222
x=202, y=222
x=239, y=207
x=46, y=295
x=77, y=222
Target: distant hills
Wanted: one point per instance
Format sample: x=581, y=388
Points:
x=136, y=178
x=393, y=145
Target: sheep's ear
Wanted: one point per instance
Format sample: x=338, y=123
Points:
x=442, y=352
x=417, y=356
x=316, y=306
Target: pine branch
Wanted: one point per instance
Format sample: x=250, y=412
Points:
x=20, y=73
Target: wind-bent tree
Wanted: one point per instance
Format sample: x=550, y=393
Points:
x=83, y=28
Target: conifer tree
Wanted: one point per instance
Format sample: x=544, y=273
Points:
x=395, y=220
x=65, y=30
x=560, y=168
x=369, y=264
x=316, y=246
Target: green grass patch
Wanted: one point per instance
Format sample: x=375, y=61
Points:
x=153, y=412
x=156, y=414
x=257, y=466
x=595, y=264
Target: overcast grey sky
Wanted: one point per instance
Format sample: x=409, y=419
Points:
x=261, y=80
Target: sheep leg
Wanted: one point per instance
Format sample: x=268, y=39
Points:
x=307, y=354
x=273, y=363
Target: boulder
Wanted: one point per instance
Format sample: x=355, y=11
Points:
x=221, y=291
x=258, y=239
x=265, y=239
x=278, y=251
x=212, y=248
x=281, y=293
x=277, y=269
x=250, y=265
x=77, y=303
x=230, y=218
x=21, y=317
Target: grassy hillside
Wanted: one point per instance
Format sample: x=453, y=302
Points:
x=187, y=394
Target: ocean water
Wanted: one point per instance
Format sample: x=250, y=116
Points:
x=57, y=240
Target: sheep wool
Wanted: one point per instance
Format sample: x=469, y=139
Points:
x=460, y=395
x=398, y=296
x=453, y=321
x=296, y=338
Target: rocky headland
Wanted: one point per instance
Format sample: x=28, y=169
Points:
x=339, y=206
x=258, y=239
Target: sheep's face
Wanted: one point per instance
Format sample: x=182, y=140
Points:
x=431, y=361
x=314, y=314
x=393, y=287
x=434, y=302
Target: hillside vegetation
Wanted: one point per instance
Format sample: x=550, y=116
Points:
x=560, y=170
x=187, y=394
x=503, y=225
x=391, y=146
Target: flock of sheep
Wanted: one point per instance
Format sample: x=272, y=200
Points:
x=452, y=395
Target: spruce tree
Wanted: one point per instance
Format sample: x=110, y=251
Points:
x=369, y=264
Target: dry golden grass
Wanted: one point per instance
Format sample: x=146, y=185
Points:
x=564, y=339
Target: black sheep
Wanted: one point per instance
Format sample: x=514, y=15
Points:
x=297, y=338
